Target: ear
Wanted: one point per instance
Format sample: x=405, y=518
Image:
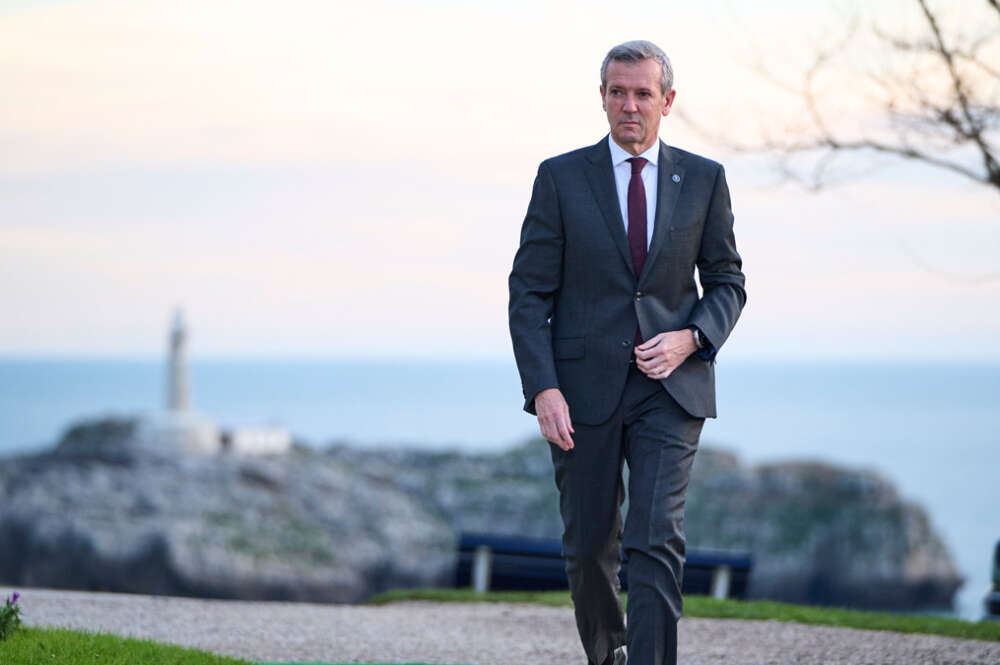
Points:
x=668, y=102
x=604, y=102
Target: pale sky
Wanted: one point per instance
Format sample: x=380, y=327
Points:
x=349, y=179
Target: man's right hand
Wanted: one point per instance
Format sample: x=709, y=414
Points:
x=553, y=417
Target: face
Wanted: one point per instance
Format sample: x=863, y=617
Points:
x=635, y=103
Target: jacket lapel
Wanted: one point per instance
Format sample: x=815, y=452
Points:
x=667, y=193
x=601, y=177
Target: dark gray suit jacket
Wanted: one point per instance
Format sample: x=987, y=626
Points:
x=575, y=300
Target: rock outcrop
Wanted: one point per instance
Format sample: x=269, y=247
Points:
x=298, y=526
x=819, y=534
x=342, y=523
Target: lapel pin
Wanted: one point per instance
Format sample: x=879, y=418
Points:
x=676, y=178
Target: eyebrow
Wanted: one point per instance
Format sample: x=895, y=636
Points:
x=620, y=87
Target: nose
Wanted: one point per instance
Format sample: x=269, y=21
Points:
x=630, y=105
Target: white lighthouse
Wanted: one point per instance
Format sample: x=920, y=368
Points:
x=177, y=376
x=179, y=429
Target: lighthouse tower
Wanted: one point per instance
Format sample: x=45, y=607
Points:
x=178, y=429
x=177, y=376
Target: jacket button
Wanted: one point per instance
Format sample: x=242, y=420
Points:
x=626, y=342
x=638, y=294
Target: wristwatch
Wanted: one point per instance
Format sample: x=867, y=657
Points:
x=699, y=337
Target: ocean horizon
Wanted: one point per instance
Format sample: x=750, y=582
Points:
x=927, y=427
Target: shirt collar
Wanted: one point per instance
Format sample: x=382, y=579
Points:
x=619, y=155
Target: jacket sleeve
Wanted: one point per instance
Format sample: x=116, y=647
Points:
x=534, y=281
x=719, y=271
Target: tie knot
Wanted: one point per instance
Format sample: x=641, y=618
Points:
x=637, y=163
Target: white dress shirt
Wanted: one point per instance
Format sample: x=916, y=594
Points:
x=623, y=174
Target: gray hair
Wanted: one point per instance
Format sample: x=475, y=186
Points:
x=636, y=51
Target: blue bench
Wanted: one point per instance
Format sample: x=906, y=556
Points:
x=513, y=563
x=992, y=600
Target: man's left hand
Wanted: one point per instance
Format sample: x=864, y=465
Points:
x=660, y=355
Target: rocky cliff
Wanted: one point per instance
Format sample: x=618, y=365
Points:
x=98, y=514
x=339, y=524
x=819, y=533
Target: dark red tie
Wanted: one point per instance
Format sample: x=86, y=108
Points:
x=637, y=216
x=637, y=222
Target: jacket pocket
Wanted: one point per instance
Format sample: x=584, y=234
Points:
x=568, y=347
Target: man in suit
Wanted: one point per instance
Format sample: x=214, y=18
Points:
x=616, y=349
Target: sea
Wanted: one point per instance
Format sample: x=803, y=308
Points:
x=932, y=429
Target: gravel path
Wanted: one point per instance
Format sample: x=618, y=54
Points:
x=475, y=633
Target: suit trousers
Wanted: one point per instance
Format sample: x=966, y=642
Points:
x=658, y=440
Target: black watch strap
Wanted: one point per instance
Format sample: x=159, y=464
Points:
x=699, y=337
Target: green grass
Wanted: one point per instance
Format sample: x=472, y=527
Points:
x=61, y=646
x=34, y=646
x=705, y=607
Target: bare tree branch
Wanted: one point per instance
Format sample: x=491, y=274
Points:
x=970, y=55
x=927, y=266
x=939, y=100
x=923, y=122
x=902, y=151
x=972, y=130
